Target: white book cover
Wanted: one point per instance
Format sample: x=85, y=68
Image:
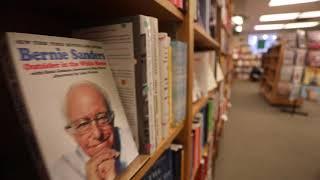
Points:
x=220, y=75
x=73, y=105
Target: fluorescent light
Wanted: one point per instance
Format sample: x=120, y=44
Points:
x=309, y=14
x=274, y=37
x=265, y=37
x=288, y=2
x=238, y=20
x=263, y=27
x=238, y=29
x=301, y=25
x=278, y=17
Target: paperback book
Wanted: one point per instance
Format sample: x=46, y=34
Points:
x=68, y=106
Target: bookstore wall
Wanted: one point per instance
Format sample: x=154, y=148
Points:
x=114, y=89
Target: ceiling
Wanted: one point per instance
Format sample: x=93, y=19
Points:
x=253, y=9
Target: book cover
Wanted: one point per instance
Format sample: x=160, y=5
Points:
x=311, y=76
x=286, y=73
x=66, y=98
x=313, y=39
x=177, y=160
x=128, y=42
x=300, y=57
x=297, y=74
x=162, y=168
x=313, y=58
x=311, y=93
x=288, y=56
x=179, y=80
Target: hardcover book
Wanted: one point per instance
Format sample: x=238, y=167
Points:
x=67, y=103
x=179, y=80
x=129, y=43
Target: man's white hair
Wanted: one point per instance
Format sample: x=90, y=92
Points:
x=86, y=83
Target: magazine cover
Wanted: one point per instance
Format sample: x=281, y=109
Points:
x=311, y=93
x=311, y=76
x=66, y=87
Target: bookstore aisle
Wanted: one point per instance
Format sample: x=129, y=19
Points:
x=260, y=142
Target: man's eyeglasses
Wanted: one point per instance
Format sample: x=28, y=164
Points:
x=85, y=124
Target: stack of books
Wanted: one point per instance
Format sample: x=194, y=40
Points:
x=203, y=127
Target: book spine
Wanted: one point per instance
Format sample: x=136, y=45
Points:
x=156, y=78
x=179, y=80
x=164, y=43
x=145, y=21
x=171, y=122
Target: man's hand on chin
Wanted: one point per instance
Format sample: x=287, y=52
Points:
x=102, y=165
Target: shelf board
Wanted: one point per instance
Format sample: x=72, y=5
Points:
x=203, y=40
x=137, y=169
x=101, y=10
x=228, y=31
x=196, y=106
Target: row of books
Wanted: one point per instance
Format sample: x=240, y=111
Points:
x=311, y=79
x=147, y=102
x=203, y=127
x=125, y=76
x=302, y=57
x=206, y=15
x=302, y=39
x=169, y=166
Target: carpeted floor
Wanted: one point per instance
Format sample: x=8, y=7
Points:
x=261, y=143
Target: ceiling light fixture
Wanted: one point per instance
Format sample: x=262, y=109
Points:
x=263, y=27
x=238, y=20
x=301, y=25
x=279, y=17
x=309, y=14
x=289, y=2
x=238, y=29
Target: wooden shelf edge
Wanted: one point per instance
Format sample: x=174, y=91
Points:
x=196, y=106
x=138, y=173
x=203, y=39
x=228, y=31
x=171, y=8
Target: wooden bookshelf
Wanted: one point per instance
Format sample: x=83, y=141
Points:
x=203, y=40
x=272, y=64
x=199, y=104
x=61, y=17
x=165, y=144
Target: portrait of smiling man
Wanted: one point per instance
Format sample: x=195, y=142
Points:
x=90, y=122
